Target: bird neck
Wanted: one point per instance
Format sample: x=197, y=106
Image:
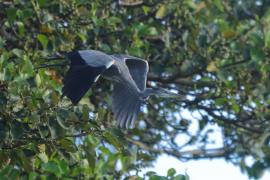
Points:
x=148, y=92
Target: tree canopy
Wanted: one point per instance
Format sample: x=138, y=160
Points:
x=213, y=52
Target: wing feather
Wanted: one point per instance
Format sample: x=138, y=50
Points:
x=85, y=68
x=124, y=104
x=138, y=69
x=130, y=121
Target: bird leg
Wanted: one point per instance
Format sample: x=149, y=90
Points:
x=56, y=56
x=49, y=65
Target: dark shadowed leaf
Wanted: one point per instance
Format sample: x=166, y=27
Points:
x=180, y=177
x=68, y=145
x=156, y=177
x=16, y=130
x=55, y=129
x=171, y=172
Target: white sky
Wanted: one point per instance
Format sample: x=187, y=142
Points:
x=217, y=169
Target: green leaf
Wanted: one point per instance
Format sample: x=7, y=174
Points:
x=43, y=40
x=219, y=5
x=17, y=52
x=156, y=177
x=41, y=147
x=104, y=150
x=267, y=39
x=146, y=9
x=43, y=131
x=32, y=176
x=68, y=145
x=153, y=31
x=151, y=173
x=180, y=177
x=11, y=13
x=112, y=139
x=21, y=29
x=4, y=131
x=38, y=80
x=55, y=129
x=257, y=54
x=118, y=134
x=171, y=172
x=161, y=12
x=91, y=157
x=256, y=40
x=43, y=2
x=85, y=112
x=235, y=107
x=16, y=130
x=52, y=167
x=212, y=67
x=61, y=119
x=43, y=157
x=64, y=167
x=26, y=156
x=28, y=67
x=221, y=101
x=27, y=13
x=14, y=174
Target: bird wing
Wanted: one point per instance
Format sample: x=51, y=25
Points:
x=85, y=68
x=125, y=105
x=138, y=69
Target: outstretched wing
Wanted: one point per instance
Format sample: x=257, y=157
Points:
x=125, y=105
x=85, y=68
x=138, y=69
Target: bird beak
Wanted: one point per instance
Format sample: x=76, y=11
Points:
x=168, y=94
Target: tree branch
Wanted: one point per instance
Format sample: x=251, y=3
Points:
x=228, y=121
x=183, y=155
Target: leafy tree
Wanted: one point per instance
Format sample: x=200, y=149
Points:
x=216, y=53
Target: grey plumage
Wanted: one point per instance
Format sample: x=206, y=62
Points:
x=128, y=74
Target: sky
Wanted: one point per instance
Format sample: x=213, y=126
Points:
x=201, y=169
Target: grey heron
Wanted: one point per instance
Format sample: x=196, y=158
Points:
x=128, y=74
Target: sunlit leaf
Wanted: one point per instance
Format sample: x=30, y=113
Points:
x=212, y=67
x=43, y=40
x=43, y=157
x=161, y=12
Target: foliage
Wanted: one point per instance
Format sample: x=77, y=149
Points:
x=216, y=53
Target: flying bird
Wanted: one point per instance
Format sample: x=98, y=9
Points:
x=128, y=74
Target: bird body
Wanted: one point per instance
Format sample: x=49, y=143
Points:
x=127, y=73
